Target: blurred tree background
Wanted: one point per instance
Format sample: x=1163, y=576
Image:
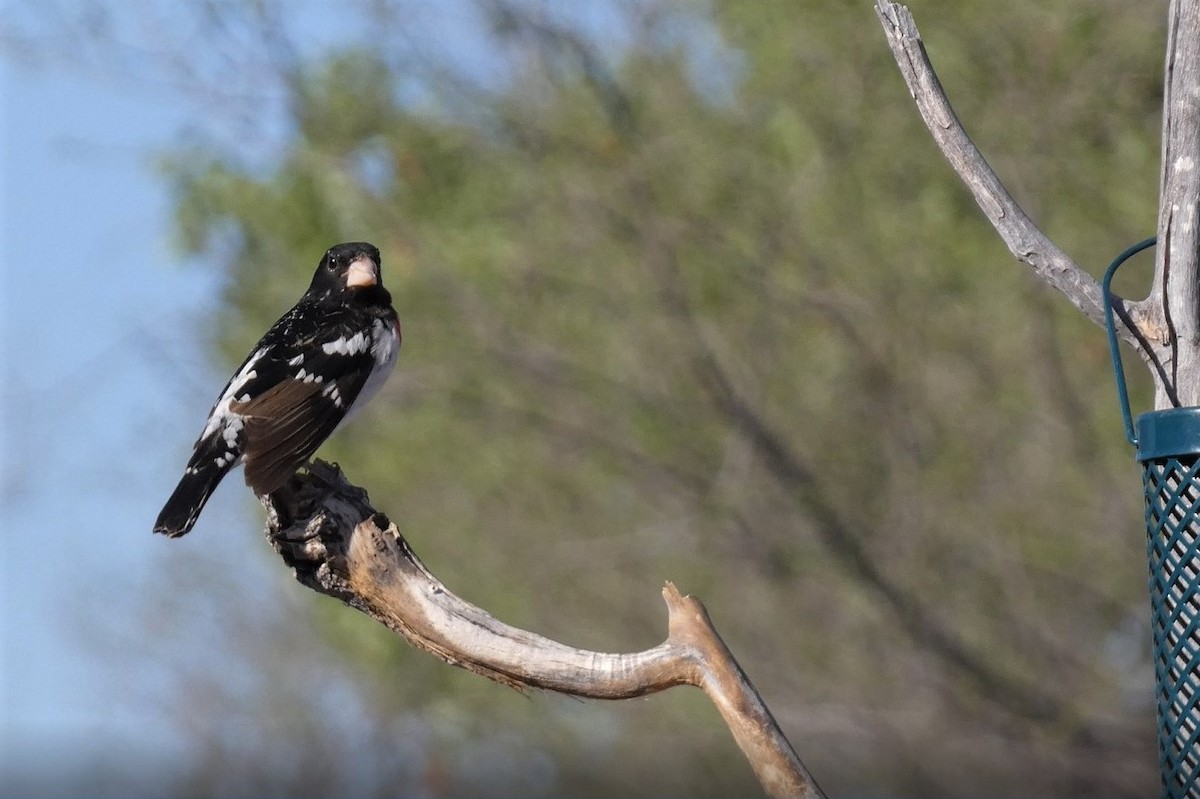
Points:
x=689, y=294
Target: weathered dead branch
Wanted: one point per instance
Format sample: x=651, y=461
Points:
x=1175, y=295
x=337, y=544
x=1023, y=237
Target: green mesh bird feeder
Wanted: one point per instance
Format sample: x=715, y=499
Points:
x=1168, y=447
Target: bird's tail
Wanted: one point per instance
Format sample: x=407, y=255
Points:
x=183, y=508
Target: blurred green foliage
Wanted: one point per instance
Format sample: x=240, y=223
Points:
x=636, y=246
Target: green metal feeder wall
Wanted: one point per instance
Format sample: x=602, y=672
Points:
x=1168, y=446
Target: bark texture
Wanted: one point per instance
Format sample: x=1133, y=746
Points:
x=339, y=545
x=1176, y=291
x=1164, y=328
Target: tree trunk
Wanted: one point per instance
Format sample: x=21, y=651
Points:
x=1164, y=328
x=1176, y=289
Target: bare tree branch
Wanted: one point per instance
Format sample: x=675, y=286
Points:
x=337, y=544
x=1024, y=239
x=834, y=529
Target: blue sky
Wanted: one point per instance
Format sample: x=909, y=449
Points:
x=105, y=377
x=105, y=381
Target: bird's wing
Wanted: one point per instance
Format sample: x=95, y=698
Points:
x=283, y=425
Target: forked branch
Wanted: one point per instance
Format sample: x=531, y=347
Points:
x=337, y=544
x=1024, y=239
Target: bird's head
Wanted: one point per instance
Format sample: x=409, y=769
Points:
x=349, y=271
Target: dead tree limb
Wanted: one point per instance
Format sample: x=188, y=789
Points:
x=1175, y=296
x=1164, y=328
x=339, y=545
x=1023, y=237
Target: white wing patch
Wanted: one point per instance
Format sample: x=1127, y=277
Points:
x=334, y=395
x=233, y=426
x=222, y=418
x=308, y=377
x=383, y=342
x=347, y=346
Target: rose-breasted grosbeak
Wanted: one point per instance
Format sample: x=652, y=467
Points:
x=313, y=369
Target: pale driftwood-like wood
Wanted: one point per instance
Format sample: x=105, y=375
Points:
x=339, y=545
x=1164, y=328
x=1024, y=239
x=1176, y=292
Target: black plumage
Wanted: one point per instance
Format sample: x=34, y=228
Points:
x=311, y=371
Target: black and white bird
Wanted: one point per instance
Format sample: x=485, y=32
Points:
x=315, y=368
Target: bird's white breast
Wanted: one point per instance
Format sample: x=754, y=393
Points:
x=385, y=346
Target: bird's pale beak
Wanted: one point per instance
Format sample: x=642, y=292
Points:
x=363, y=272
